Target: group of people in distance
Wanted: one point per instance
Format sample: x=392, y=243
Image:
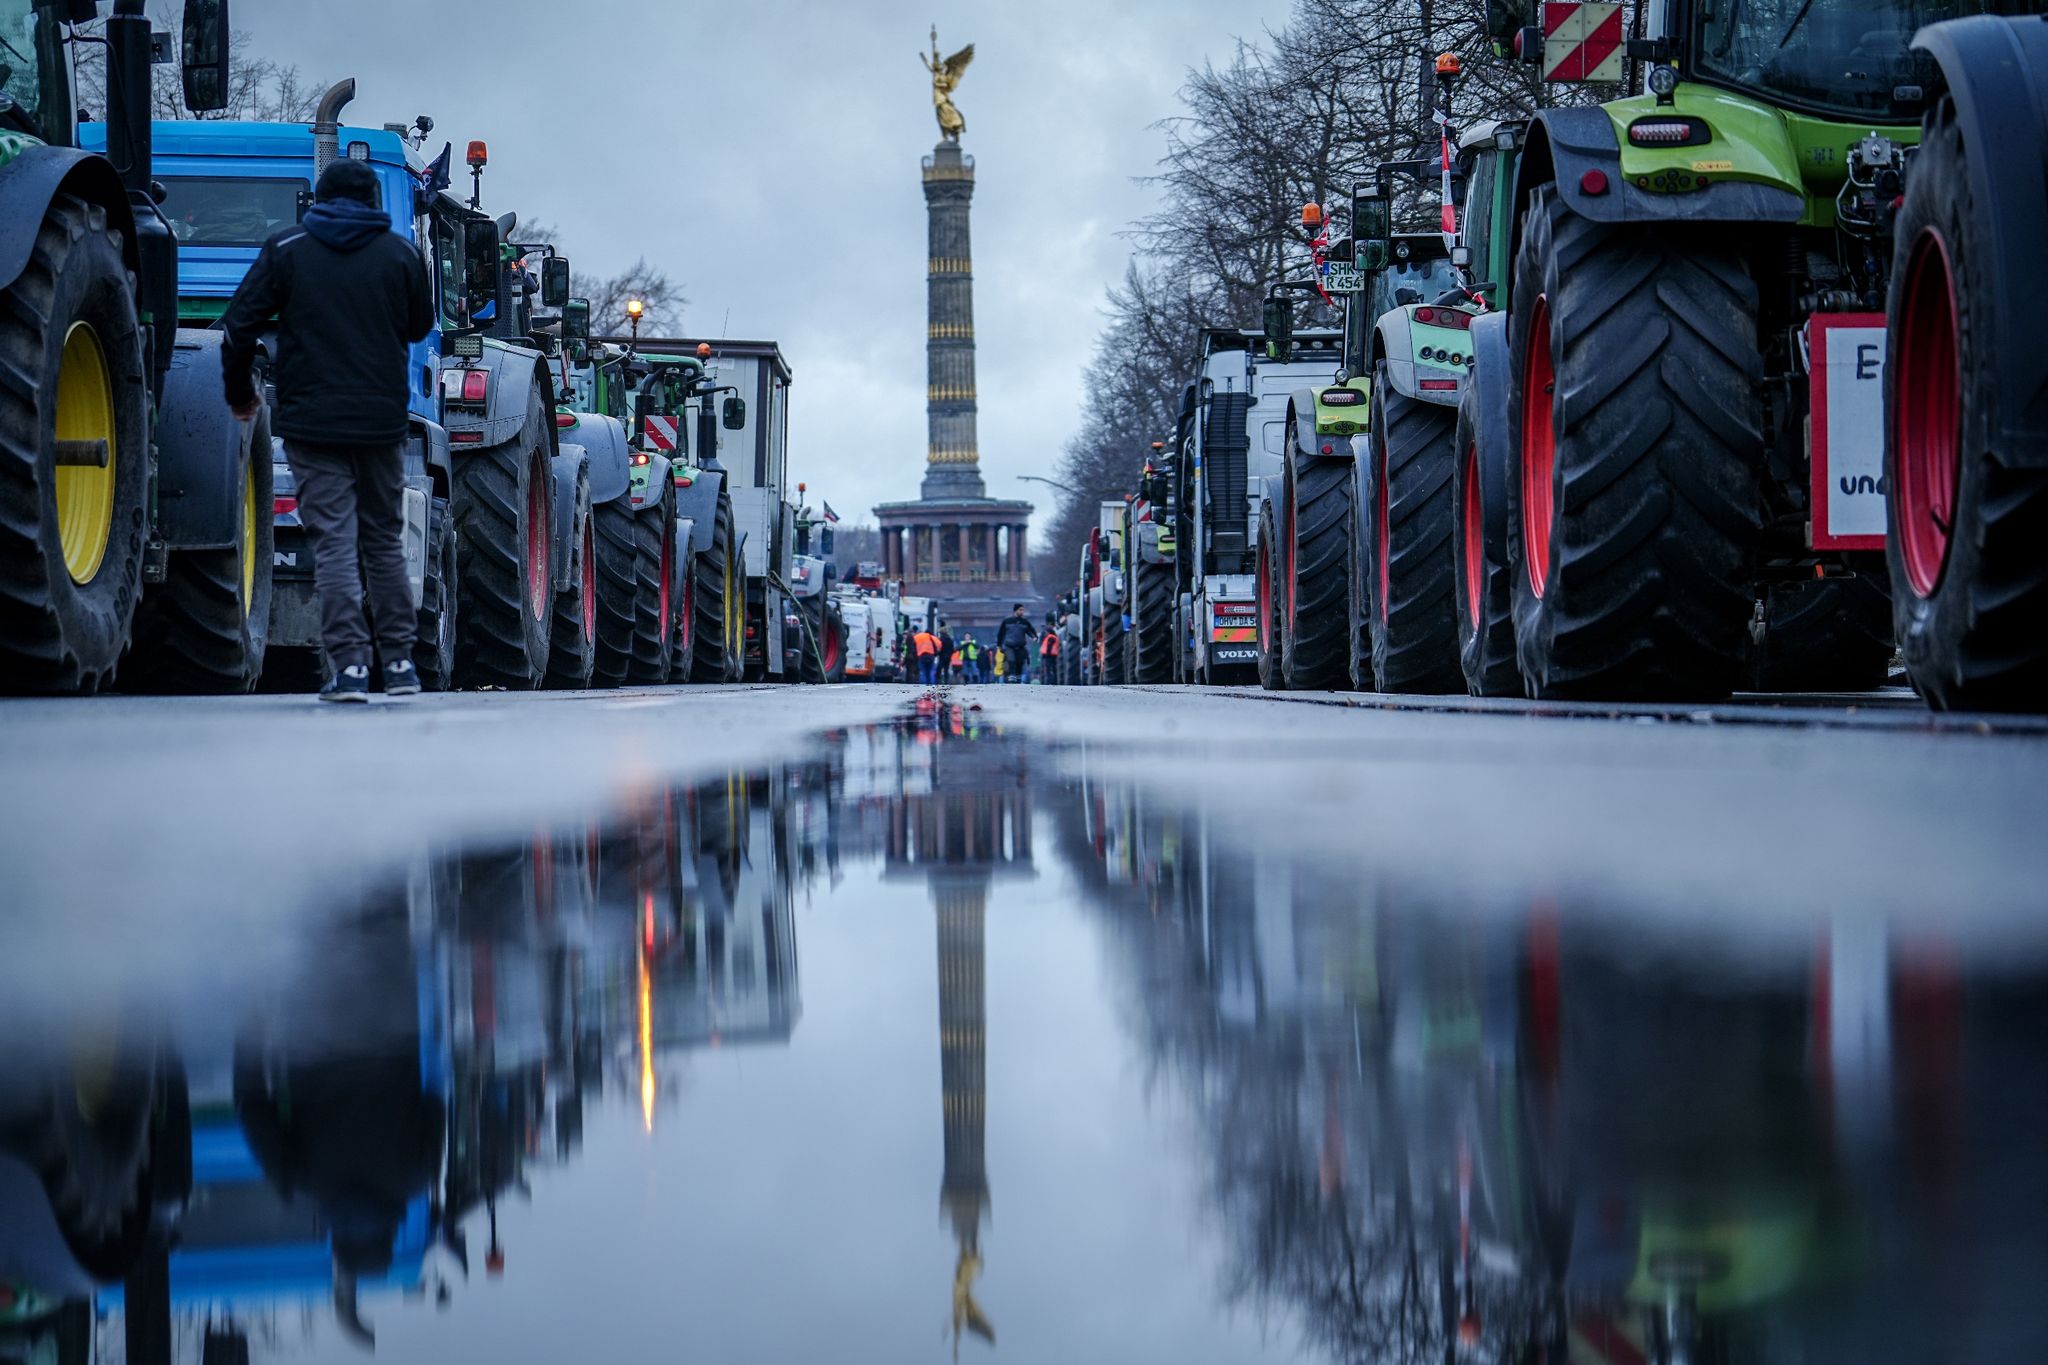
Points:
x=935, y=656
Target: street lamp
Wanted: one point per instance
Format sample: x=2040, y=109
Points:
x=1050, y=483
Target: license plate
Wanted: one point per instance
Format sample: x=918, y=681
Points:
x=1343, y=277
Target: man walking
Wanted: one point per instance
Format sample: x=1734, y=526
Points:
x=1015, y=638
x=349, y=296
x=926, y=646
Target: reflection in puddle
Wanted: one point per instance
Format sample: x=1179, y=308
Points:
x=1245, y=1108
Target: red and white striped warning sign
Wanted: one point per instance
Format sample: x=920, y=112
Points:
x=1581, y=42
x=661, y=434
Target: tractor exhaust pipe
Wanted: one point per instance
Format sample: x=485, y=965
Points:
x=327, y=125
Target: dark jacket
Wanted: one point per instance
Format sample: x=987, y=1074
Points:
x=1014, y=636
x=349, y=296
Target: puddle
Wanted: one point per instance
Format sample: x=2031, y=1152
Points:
x=938, y=1041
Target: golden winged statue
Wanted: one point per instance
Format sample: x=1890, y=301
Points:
x=946, y=73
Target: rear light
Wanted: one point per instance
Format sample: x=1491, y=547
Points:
x=640, y=457
x=1342, y=398
x=1669, y=131
x=465, y=438
x=683, y=480
x=565, y=419
x=476, y=386
x=283, y=507
x=1425, y=315
x=1438, y=384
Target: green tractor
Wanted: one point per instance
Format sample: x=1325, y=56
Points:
x=134, y=508
x=1695, y=381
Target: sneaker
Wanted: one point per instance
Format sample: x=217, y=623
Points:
x=401, y=679
x=348, y=684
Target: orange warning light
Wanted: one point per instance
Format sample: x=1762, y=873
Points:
x=1311, y=215
x=1447, y=64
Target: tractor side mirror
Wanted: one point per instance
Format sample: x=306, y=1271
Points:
x=203, y=63
x=825, y=544
x=480, y=259
x=1372, y=229
x=1279, y=326
x=575, y=320
x=734, y=414
x=554, y=282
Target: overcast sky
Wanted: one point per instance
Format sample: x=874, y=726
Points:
x=765, y=152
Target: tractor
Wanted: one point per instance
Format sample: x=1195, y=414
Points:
x=1695, y=387
x=132, y=533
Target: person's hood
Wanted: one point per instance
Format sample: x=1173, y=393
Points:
x=345, y=224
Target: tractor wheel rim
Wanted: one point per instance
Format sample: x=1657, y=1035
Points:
x=1382, y=527
x=84, y=495
x=589, y=589
x=537, y=539
x=1293, y=526
x=1475, y=533
x=1927, y=408
x=832, y=648
x=686, y=619
x=248, y=536
x=1539, y=447
x=1265, y=589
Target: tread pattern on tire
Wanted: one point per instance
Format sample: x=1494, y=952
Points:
x=497, y=642
x=1272, y=676
x=1316, y=636
x=711, y=665
x=56, y=636
x=618, y=583
x=1486, y=645
x=433, y=651
x=571, y=655
x=1415, y=643
x=650, y=664
x=1152, y=616
x=1980, y=642
x=1659, y=447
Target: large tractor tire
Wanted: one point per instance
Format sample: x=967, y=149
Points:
x=1313, y=587
x=1405, y=575
x=1637, y=409
x=1272, y=676
x=720, y=601
x=655, y=563
x=618, y=586
x=71, y=536
x=572, y=643
x=503, y=509
x=433, y=650
x=682, y=639
x=1113, y=642
x=1153, y=638
x=1824, y=635
x=204, y=629
x=1484, y=596
x=829, y=632
x=1968, y=542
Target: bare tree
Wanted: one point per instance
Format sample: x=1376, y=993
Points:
x=661, y=299
x=259, y=89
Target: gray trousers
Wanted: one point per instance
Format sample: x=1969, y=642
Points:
x=352, y=501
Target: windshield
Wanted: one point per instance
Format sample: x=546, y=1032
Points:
x=31, y=59
x=1831, y=56
x=225, y=211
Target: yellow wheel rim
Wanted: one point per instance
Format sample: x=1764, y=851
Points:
x=85, y=412
x=248, y=536
x=733, y=635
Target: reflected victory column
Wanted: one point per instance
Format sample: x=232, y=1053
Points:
x=963, y=822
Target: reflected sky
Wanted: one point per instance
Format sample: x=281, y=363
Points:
x=938, y=1044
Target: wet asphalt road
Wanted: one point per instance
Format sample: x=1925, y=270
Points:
x=799, y=1024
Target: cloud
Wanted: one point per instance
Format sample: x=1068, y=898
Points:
x=766, y=155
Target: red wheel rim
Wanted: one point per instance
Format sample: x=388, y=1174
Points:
x=1539, y=446
x=537, y=539
x=1382, y=526
x=686, y=623
x=1288, y=539
x=1475, y=536
x=589, y=584
x=1927, y=413
x=668, y=573
x=832, y=647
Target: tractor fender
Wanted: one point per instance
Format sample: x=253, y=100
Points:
x=200, y=450
x=1565, y=145
x=1148, y=544
x=1394, y=342
x=426, y=455
x=572, y=461
x=698, y=504
x=39, y=174
x=1301, y=417
x=611, y=458
x=683, y=529
x=1489, y=389
x=515, y=374
x=660, y=472
x=1997, y=73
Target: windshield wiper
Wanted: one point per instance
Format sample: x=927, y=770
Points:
x=1797, y=19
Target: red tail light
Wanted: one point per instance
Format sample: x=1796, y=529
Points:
x=640, y=457
x=565, y=419
x=1437, y=384
x=476, y=386
x=283, y=507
